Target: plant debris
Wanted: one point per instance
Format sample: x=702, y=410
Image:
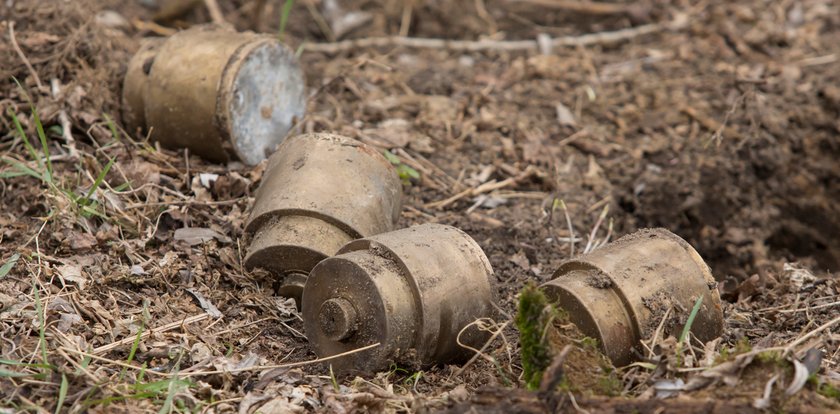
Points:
x=716, y=120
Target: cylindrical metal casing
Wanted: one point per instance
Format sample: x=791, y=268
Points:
x=411, y=290
x=319, y=192
x=133, y=97
x=620, y=293
x=222, y=94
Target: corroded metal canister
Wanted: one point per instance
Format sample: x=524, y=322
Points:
x=412, y=291
x=224, y=95
x=133, y=103
x=619, y=294
x=318, y=192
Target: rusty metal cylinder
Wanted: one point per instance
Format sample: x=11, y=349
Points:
x=319, y=192
x=620, y=293
x=412, y=291
x=224, y=95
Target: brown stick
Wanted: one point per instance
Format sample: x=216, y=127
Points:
x=215, y=11
x=588, y=7
x=481, y=189
x=23, y=56
x=497, y=45
x=168, y=327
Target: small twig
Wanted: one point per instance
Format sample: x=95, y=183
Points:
x=288, y=365
x=481, y=10
x=575, y=404
x=810, y=308
x=319, y=20
x=215, y=11
x=659, y=330
x=185, y=203
x=719, y=130
x=607, y=237
x=405, y=22
x=64, y=120
x=23, y=56
x=678, y=23
x=554, y=374
x=595, y=229
x=588, y=7
x=819, y=60
x=571, y=138
x=481, y=189
x=153, y=27
x=168, y=327
x=811, y=334
x=478, y=352
x=571, y=229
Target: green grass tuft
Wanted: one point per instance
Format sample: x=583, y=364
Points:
x=534, y=315
x=284, y=18
x=8, y=266
x=691, y=317
x=406, y=173
x=62, y=393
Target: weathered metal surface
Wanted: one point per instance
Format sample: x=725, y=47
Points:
x=224, y=95
x=619, y=294
x=319, y=192
x=411, y=290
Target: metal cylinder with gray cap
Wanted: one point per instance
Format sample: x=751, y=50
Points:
x=621, y=293
x=224, y=95
x=412, y=291
x=319, y=192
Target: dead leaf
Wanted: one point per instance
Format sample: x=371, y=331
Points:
x=141, y=172
x=67, y=320
x=230, y=186
x=280, y=405
x=198, y=235
x=800, y=377
x=207, y=179
x=112, y=19
x=521, y=260
x=72, y=273
x=205, y=304
x=78, y=241
x=397, y=131
x=36, y=39
x=565, y=116
x=728, y=372
x=250, y=400
x=343, y=21
x=199, y=190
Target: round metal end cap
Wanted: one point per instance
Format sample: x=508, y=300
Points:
x=337, y=319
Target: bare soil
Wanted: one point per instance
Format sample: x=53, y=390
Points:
x=722, y=128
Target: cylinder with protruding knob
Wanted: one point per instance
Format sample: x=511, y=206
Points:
x=412, y=291
x=319, y=192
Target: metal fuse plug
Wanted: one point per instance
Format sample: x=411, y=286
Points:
x=411, y=290
x=620, y=293
x=318, y=192
x=224, y=95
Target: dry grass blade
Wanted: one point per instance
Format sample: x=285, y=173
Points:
x=168, y=327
